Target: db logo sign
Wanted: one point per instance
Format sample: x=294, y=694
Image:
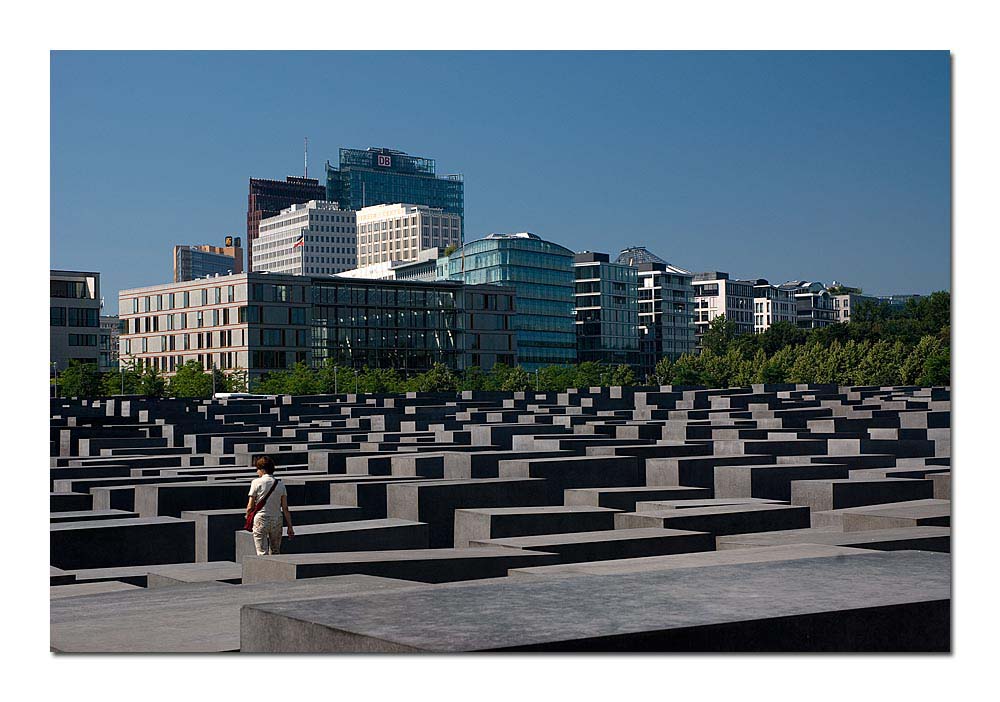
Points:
x=384, y=161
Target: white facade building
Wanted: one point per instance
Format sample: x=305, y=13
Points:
x=772, y=304
x=399, y=232
x=313, y=238
x=715, y=294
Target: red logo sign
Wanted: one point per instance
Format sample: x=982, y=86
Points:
x=385, y=161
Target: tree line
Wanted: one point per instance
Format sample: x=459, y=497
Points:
x=879, y=346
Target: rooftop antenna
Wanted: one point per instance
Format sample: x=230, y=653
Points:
x=307, y=156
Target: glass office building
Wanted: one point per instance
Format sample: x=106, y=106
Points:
x=607, y=310
x=411, y=325
x=377, y=176
x=541, y=274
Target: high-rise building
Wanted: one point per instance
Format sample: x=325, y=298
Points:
x=399, y=232
x=716, y=294
x=377, y=176
x=813, y=303
x=312, y=238
x=268, y=198
x=607, y=310
x=772, y=304
x=541, y=274
x=192, y=262
x=260, y=322
x=666, y=307
x=74, y=317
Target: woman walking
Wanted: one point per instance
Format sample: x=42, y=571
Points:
x=268, y=503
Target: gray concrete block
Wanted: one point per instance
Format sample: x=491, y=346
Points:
x=366, y=535
x=923, y=538
x=727, y=519
x=438, y=565
x=215, y=529
x=700, y=559
x=203, y=617
x=822, y=495
x=575, y=472
x=625, y=498
x=81, y=589
x=611, y=544
x=873, y=602
x=434, y=502
x=770, y=481
x=221, y=572
x=501, y=522
x=121, y=542
x=885, y=516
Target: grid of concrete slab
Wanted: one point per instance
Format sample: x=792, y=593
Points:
x=763, y=518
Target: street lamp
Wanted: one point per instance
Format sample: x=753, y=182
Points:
x=123, y=379
x=536, y=380
x=355, y=381
x=55, y=375
x=335, y=386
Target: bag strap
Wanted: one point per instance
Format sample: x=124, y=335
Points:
x=257, y=506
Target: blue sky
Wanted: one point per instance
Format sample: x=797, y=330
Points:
x=782, y=165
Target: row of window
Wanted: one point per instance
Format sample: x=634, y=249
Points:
x=74, y=317
x=186, y=298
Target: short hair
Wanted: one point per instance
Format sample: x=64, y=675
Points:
x=264, y=463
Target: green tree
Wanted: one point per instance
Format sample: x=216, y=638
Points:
x=913, y=366
x=663, y=371
x=687, y=370
x=720, y=334
x=274, y=383
x=380, y=380
x=450, y=249
x=125, y=381
x=190, y=380
x=937, y=369
x=79, y=380
x=152, y=383
x=473, y=378
x=620, y=375
x=236, y=381
x=334, y=378
x=879, y=366
x=301, y=380
x=439, y=378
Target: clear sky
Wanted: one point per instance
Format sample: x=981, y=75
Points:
x=780, y=165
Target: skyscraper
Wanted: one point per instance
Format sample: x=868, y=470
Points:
x=377, y=176
x=268, y=198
